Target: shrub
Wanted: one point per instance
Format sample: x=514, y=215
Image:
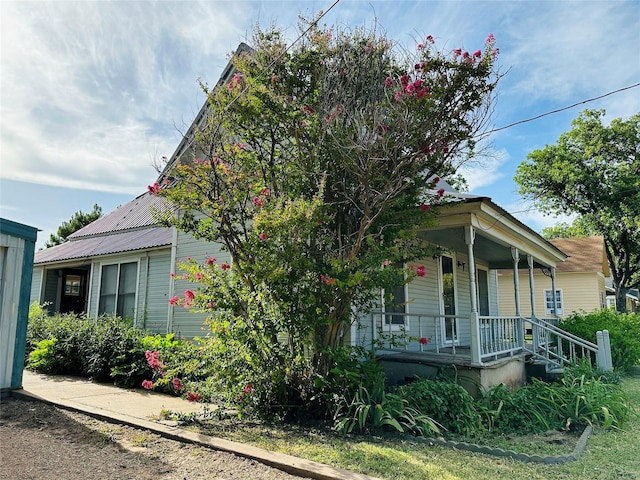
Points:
x=624, y=334
x=447, y=402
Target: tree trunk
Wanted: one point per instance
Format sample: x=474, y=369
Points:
x=621, y=299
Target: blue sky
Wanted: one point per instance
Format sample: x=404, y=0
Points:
x=92, y=93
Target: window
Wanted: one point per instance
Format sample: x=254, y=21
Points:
x=72, y=285
x=483, y=292
x=448, y=288
x=548, y=302
x=396, y=304
x=118, y=289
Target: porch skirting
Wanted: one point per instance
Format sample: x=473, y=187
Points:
x=402, y=367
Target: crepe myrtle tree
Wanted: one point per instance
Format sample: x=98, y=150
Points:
x=316, y=167
x=594, y=171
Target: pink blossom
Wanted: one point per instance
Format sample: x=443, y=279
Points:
x=172, y=275
x=211, y=260
x=198, y=276
x=257, y=201
x=266, y=192
x=263, y=236
x=457, y=52
x=418, y=83
x=248, y=388
x=153, y=359
x=386, y=263
x=420, y=271
x=420, y=46
x=425, y=207
x=177, y=384
x=147, y=384
x=409, y=89
x=430, y=39
x=436, y=179
x=307, y=109
x=274, y=78
x=441, y=193
x=424, y=340
x=154, y=189
x=189, y=295
x=174, y=300
x=225, y=266
x=398, y=95
x=495, y=51
x=388, y=82
x=477, y=54
x=211, y=305
x=404, y=80
x=193, y=397
x=490, y=38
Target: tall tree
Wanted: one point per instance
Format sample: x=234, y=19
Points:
x=594, y=170
x=577, y=229
x=315, y=168
x=77, y=221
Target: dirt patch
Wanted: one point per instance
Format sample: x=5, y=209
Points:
x=39, y=441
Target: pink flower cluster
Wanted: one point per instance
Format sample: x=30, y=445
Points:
x=420, y=271
x=327, y=280
x=177, y=384
x=189, y=295
x=147, y=384
x=154, y=189
x=153, y=359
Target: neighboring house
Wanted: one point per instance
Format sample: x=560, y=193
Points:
x=579, y=281
x=448, y=316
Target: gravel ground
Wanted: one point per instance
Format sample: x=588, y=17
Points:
x=39, y=441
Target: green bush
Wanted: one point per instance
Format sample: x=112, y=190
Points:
x=624, y=334
x=447, y=402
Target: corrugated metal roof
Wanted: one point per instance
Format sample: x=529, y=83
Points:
x=135, y=214
x=106, y=244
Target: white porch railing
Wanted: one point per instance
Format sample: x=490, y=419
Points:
x=499, y=337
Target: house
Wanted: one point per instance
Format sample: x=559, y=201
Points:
x=17, y=244
x=579, y=281
x=449, y=316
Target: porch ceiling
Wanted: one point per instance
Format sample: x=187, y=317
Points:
x=496, y=232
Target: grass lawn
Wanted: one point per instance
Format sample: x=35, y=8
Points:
x=613, y=454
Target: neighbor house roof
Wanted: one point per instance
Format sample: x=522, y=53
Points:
x=130, y=227
x=585, y=255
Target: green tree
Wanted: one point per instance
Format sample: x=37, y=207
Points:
x=577, y=229
x=77, y=221
x=314, y=168
x=594, y=171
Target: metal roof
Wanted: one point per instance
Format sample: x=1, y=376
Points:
x=85, y=247
x=137, y=213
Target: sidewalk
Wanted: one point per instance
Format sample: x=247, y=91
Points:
x=137, y=408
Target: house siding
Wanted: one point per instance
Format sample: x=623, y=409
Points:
x=184, y=322
x=36, y=285
x=581, y=292
x=156, y=309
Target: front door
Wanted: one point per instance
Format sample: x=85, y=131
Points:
x=449, y=324
x=74, y=291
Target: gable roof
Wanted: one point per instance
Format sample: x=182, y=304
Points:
x=585, y=255
x=128, y=228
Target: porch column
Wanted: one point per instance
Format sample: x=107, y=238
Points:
x=469, y=238
x=515, y=255
x=553, y=293
x=532, y=287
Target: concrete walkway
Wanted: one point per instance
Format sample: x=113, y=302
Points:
x=138, y=408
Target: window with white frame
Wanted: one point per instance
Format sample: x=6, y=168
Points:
x=118, y=289
x=548, y=302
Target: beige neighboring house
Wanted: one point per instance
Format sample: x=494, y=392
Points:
x=579, y=281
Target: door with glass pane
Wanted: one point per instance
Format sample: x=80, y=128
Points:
x=448, y=300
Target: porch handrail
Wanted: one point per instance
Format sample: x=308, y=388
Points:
x=554, y=334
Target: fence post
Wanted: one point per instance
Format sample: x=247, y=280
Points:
x=603, y=357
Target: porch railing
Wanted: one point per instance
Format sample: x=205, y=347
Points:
x=500, y=336
x=417, y=332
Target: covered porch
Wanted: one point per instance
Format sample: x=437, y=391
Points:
x=458, y=325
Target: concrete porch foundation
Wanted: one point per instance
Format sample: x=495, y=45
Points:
x=401, y=368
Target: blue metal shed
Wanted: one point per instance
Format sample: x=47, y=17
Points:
x=17, y=246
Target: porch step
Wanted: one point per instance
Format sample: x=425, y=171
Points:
x=538, y=369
